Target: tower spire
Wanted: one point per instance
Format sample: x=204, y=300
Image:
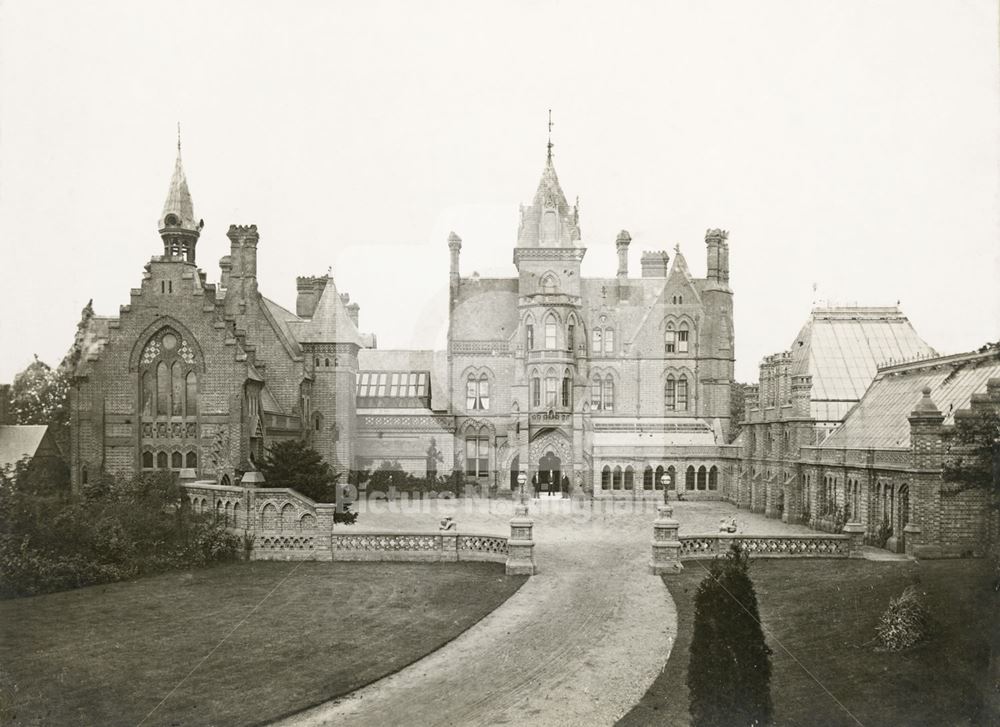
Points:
x=549, y=157
x=179, y=228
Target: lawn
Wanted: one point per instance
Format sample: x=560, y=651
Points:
x=298, y=634
x=823, y=613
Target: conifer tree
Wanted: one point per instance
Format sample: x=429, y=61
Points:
x=729, y=672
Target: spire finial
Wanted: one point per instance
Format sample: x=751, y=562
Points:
x=550, y=136
x=178, y=138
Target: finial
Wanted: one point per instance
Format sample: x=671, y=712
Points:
x=550, y=135
x=178, y=138
x=677, y=248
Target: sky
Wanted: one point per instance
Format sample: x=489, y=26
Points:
x=850, y=148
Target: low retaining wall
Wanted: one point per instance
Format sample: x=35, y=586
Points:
x=770, y=546
x=427, y=547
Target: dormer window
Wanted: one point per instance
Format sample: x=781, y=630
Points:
x=171, y=220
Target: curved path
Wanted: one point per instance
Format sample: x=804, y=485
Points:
x=578, y=644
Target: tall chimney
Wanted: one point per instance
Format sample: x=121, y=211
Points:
x=622, y=245
x=655, y=263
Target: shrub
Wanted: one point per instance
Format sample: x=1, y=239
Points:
x=905, y=622
x=882, y=534
x=729, y=672
x=118, y=529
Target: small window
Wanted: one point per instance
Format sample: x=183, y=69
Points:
x=670, y=339
x=658, y=478
x=551, y=386
x=536, y=391
x=598, y=341
x=570, y=337
x=647, y=478
x=161, y=460
x=670, y=393
x=147, y=460
x=609, y=393
x=689, y=478
x=609, y=340
x=530, y=337
x=606, y=478
x=629, y=478
x=702, y=477
x=566, y=390
x=192, y=460
x=682, y=338
x=176, y=461
x=595, y=393
x=616, y=481
x=682, y=394
x=326, y=362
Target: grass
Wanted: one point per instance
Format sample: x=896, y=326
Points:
x=819, y=619
x=298, y=635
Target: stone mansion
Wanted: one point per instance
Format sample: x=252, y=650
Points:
x=606, y=385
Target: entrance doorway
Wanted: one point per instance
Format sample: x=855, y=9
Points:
x=549, y=475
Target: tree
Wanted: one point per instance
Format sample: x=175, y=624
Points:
x=729, y=672
x=975, y=449
x=294, y=464
x=737, y=402
x=40, y=395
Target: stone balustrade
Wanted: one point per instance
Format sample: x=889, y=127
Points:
x=445, y=546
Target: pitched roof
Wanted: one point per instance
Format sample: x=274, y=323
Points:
x=18, y=440
x=330, y=322
x=881, y=419
x=179, y=199
x=841, y=348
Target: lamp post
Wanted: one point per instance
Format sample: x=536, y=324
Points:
x=665, y=481
x=522, y=478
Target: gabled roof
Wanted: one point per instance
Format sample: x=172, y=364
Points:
x=881, y=419
x=18, y=440
x=330, y=322
x=841, y=348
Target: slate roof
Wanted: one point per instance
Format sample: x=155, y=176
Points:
x=880, y=420
x=486, y=310
x=841, y=348
x=18, y=440
x=330, y=322
x=179, y=199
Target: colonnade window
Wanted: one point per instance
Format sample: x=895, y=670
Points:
x=175, y=460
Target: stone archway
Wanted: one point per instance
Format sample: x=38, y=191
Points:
x=551, y=452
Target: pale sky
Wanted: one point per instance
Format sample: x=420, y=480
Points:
x=850, y=144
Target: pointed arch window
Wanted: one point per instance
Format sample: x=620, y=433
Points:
x=477, y=394
x=176, y=461
x=658, y=478
x=609, y=393
x=161, y=461
x=606, y=478
x=147, y=460
x=191, y=394
x=529, y=336
x=598, y=342
x=682, y=338
x=671, y=478
x=571, y=336
x=566, y=390
x=550, y=285
x=682, y=394
x=616, y=481
x=162, y=389
x=713, y=478
x=477, y=454
x=670, y=339
x=689, y=478
x=595, y=393
x=551, y=388
x=609, y=340
x=629, y=478
x=647, y=478
x=702, y=477
x=550, y=333
x=192, y=460
x=536, y=390
x=670, y=393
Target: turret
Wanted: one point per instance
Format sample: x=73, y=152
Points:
x=718, y=255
